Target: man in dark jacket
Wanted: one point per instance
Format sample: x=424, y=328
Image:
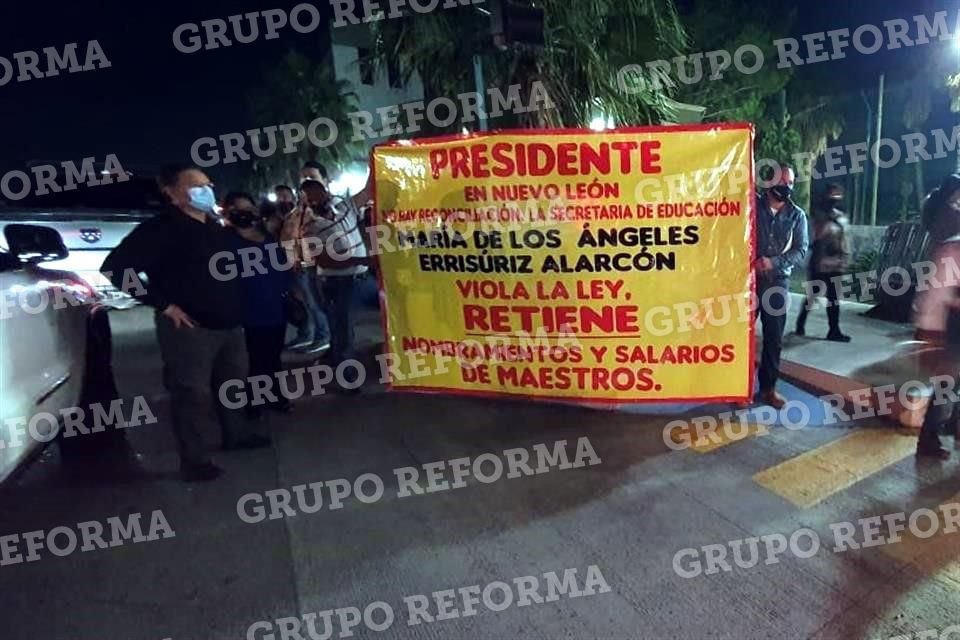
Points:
x=829, y=259
x=198, y=317
x=782, y=245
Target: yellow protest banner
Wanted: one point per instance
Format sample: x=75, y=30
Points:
x=570, y=265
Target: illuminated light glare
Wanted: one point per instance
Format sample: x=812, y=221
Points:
x=272, y=197
x=350, y=181
x=600, y=123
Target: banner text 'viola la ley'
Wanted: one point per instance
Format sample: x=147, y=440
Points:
x=539, y=261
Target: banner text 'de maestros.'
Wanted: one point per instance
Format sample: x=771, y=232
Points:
x=572, y=265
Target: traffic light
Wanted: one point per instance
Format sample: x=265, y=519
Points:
x=513, y=23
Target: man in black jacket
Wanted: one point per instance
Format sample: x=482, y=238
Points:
x=198, y=316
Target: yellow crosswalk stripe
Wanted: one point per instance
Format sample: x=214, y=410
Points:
x=725, y=433
x=814, y=476
x=937, y=555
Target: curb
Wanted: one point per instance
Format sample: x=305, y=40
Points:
x=858, y=395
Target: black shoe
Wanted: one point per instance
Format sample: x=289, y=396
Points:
x=205, y=472
x=838, y=337
x=253, y=442
x=932, y=451
x=800, y=331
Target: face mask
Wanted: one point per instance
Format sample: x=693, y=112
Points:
x=202, y=199
x=243, y=219
x=781, y=192
x=285, y=207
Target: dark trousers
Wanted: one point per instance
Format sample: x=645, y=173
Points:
x=936, y=416
x=264, y=346
x=833, y=301
x=196, y=362
x=772, y=300
x=338, y=294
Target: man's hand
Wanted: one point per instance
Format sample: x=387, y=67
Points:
x=179, y=317
x=763, y=265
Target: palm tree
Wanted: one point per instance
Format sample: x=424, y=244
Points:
x=587, y=43
x=819, y=122
x=298, y=91
x=916, y=112
x=727, y=25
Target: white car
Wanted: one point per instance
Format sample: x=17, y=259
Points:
x=47, y=338
x=91, y=220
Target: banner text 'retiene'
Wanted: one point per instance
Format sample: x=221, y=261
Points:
x=505, y=159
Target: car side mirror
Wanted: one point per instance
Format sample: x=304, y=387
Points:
x=34, y=243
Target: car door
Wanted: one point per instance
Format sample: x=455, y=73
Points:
x=42, y=347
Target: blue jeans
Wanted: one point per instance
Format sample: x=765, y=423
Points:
x=338, y=294
x=316, y=328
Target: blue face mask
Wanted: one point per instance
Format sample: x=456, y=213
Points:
x=202, y=199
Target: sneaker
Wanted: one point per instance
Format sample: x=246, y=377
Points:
x=298, y=343
x=205, y=472
x=773, y=399
x=253, y=442
x=838, y=337
x=317, y=346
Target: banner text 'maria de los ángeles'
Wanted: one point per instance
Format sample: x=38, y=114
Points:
x=570, y=265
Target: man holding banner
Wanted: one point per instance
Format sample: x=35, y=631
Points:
x=782, y=244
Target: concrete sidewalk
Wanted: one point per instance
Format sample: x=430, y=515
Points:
x=880, y=353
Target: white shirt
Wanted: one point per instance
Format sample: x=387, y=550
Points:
x=343, y=236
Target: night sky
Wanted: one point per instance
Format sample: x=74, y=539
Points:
x=154, y=101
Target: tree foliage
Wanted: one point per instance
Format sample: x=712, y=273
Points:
x=299, y=90
x=588, y=42
x=731, y=95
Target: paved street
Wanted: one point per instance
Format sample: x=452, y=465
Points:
x=628, y=516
